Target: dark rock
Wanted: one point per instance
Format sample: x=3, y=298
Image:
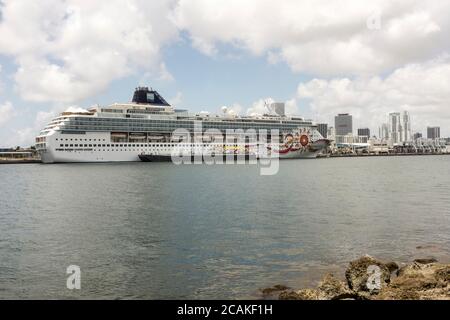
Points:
x=410, y=268
x=413, y=283
x=358, y=272
x=397, y=294
x=329, y=288
x=276, y=288
x=333, y=289
x=428, y=247
x=422, y=279
x=443, y=274
x=309, y=294
x=425, y=260
x=392, y=266
x=290, y=295
x=419, y=281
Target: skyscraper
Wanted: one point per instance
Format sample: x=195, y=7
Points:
x=384, y=132
x=433, y=132
x=323, y=129
x=417, y=135
x=395, y=127
x=406, y=126
x=343, y=123
x=364, y=132
x=331, y=132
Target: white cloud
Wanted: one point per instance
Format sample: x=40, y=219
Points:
x=321, y=37
x=234, y=109
x=291, y=107
x=1, y=83
x=422, y=89
x=6, y=112
x=69, y=50
x=25, y=136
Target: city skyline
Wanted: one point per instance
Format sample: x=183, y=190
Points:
x=397, y=128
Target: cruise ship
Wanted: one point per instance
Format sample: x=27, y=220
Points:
x=123, y=131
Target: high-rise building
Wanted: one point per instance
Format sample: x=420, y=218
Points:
x=384, y=132
x=278, y=108
x=395, y=127
x=364, y=132
x=323, y=129
x=406, y=126
x=417, y=135
x=433, y=132
x=343, y=123
x=331, y=132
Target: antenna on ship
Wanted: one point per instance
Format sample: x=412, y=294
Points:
x=225, y=109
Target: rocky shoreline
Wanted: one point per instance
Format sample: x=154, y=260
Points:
x=370, y=279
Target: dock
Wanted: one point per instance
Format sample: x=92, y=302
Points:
x=361, y=155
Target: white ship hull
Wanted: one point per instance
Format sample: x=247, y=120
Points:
x=128, y=156
x=56, y=152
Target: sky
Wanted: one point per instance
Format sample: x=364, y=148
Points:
x=320, y=57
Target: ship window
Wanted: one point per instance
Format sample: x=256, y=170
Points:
x=71, y=145
x=61, y=145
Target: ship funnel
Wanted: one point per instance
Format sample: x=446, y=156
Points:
x=144, y=95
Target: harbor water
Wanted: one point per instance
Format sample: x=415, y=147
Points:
x=162, y=231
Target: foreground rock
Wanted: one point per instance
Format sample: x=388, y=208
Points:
x=329, y=288
x=369, y=278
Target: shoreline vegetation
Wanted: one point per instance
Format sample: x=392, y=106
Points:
x=422, y=279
